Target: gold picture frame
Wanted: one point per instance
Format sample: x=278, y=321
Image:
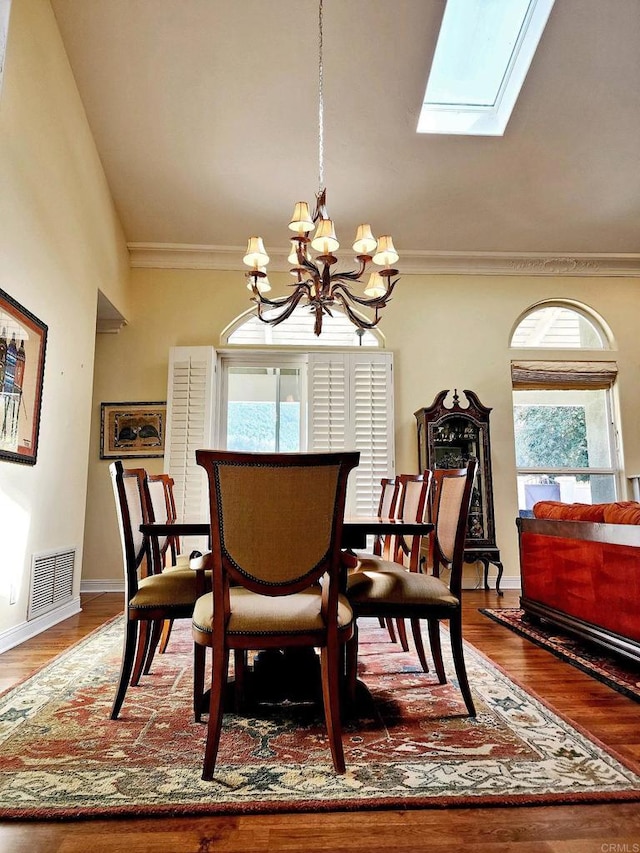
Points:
x=132, y=430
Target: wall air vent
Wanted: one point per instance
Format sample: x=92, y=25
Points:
x=51, y=581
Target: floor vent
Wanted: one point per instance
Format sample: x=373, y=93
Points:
x=51, y=581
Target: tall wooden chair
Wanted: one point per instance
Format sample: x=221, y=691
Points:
x=276, y=527
x=411, y=503
x=163, y=507
x=151, y=595
x=396, y=592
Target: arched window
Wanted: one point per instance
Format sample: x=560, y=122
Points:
x=563, y=409
x=337, y=331
x=557, y=325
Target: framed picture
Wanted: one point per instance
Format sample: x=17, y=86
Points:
x=132, y=430
x=23, y=342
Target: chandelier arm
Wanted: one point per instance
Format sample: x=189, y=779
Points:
x=288, y=309
x=351, y=275
x=358, y=321
x=340, y=290
x=282, y=301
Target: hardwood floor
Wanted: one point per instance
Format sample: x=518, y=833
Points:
x=562, y=829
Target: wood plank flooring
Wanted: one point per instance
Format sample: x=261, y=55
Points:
x=541, y=829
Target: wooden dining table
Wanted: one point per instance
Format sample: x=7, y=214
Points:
x=355, y=529
x=271, y=671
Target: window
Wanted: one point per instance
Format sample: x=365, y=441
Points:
x=482, y=57
x=564, y=443
x=559, y=327
x=284, y=402
x=565, y=435
x=263, y=401
x=264, y=409
x=337, y=331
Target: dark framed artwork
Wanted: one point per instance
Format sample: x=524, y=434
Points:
x=132, y=430
x=23, y=344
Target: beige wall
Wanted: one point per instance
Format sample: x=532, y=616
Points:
x=60, y=241
x=444, y=331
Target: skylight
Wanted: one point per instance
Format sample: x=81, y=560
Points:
x=482, y=57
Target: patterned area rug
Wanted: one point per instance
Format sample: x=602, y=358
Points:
x=62, y=757
x=612, y=670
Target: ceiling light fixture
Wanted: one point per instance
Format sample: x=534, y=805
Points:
x=316, y=285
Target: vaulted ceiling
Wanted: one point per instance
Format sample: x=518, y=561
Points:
x=205, y=116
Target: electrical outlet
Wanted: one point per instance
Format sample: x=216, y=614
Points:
x=13, y=594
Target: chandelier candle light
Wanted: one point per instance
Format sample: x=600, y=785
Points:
x=315, y=284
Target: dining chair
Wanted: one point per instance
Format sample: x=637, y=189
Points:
x=151, y=595
x=276, y=529
x=160, y=487
x=164, y=509
x=397, y=592
x=412, y=504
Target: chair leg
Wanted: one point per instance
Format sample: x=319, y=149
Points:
x=128, y=653
x=219, y=667
x=141, y=654
x=351, y=667
x=166, y=633
x=417, y=640
x=199, y=661
x=402, y=634
x=436, y=650
x=329, y=662
x=156, y=631
x=392, y=631
x=455, y=629
x=240, y=680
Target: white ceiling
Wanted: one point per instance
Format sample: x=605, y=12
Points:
x=205, y=116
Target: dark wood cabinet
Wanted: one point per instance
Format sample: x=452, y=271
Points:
x=448, y=436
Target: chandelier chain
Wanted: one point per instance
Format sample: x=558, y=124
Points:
x=320, y=104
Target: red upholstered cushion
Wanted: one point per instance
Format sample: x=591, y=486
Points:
x=571, y=512
x=549, y=509
x=622, y=512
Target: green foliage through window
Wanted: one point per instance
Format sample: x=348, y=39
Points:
x=551, y=437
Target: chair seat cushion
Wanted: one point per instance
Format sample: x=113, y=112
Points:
x=373, y=563
x=264, y=614
x=394, y=585
x=177, y=587
x=182, y=562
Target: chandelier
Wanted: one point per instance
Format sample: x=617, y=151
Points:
x=316, y=285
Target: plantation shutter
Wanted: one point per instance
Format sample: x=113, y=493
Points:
x=351, y=408
x=373, y=426
x=328, y=395
x=190, y=410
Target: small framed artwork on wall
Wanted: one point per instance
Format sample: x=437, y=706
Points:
x=132, y=430
x=23, y=341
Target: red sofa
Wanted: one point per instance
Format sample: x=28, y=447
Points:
x=580, y=570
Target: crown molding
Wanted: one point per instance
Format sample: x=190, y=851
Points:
x=196, y=257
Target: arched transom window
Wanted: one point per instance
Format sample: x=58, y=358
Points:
x=559, y=326
x=337, y=331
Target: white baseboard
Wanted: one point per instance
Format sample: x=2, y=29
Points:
x=101, y=585
x=25, y=631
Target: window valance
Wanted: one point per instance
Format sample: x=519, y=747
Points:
x=534, y=375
